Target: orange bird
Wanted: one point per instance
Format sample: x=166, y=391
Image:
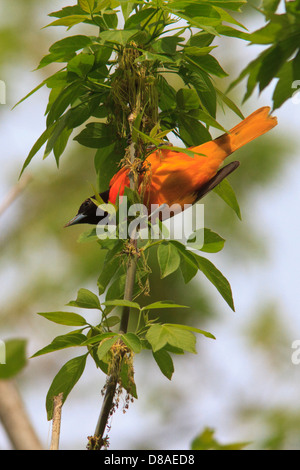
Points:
x=175, y=177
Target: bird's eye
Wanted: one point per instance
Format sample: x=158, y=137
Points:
x=84, y=205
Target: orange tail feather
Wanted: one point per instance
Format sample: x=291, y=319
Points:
x=255, y=125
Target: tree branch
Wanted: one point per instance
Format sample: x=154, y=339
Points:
x=97, y=441
x=107, y=405
x=15, y=419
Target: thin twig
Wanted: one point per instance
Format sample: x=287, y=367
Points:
x=15, y=192
x=56, y=420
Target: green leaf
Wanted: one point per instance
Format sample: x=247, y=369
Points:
x=118, y=36
x=96, y=135
x=98, y=338
x=127, y=380
x=116, y=289
x=168, y=259
x=66, y=97
x=122, y=303
x=138, y=19
x=66, y=11
x=111, y=321
x=209, y=64
x=200, y=80
x=208, y=269
x=85, y=299
x=110, y=267
x=88, y=236
x=207, y=24
x=150, y=56
x=167, y=45
x=296, y=66
x=68, y=21
x=187, y=99
x=61, y=143
x=216, y=278
x=81, y=64
x=206, y=240
x=164, y=362
x=226, y=30
x=283, y=89
x=59, y=80
x=60, y=127
x=206, y=118
x=167, y=94
x=163, y=304
x=226, y=17
x=14, y=353
x=270, y=6
x=159, y=335
x=133, y=342
x=65, y=49
x=105, y=346
x=31, y=92
x=251, y=69
x=192, y=328
x=71, y=44
x=107, y=159
x=188, y=267
x=195, y=51
x=188, y=264
x=64, y=381
x=230, y=4
x=62, y=342
x=229, y=103
x=78, y=114
x=207, y=441
x=36, y=147
x=102, y=55
x=225, y=191
x=58, y=57
x=266, y=35
x=127, y=8
x=200, y=39
x=252, y=77
x=65, y=318
x=192, y=132
x=87, y=5
x=273, y=60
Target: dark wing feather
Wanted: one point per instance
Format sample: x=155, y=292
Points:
x=221, y=174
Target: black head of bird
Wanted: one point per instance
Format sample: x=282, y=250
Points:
x=87, y=212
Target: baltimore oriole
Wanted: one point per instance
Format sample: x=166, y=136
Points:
x=177, y=178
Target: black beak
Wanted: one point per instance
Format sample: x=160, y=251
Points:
x=78, y=219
